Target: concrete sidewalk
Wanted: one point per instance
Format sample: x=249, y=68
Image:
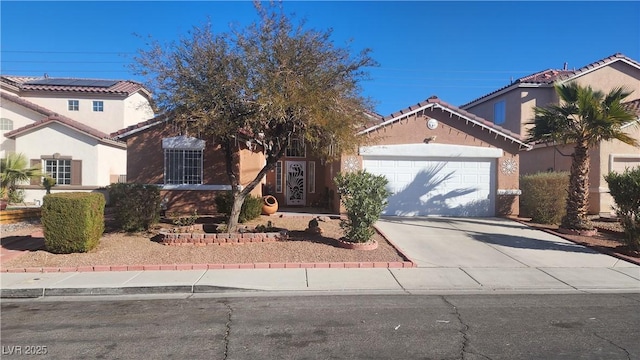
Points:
x=452, y=256
x=311, y=280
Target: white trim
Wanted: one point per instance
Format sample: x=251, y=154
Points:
x=509, y=192
x=613, y=157
x=431, y=150
x=193, y=187
x=183, y=142
x=587, y=71
x=633, y=122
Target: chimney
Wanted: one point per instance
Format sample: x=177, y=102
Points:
x=565, y=66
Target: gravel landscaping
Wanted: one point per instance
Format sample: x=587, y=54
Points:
x=117, y=248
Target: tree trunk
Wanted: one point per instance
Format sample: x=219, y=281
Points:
x=578, y=197
x=238, y=200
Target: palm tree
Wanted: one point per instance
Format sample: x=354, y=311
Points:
x=584, y=117
x=14, y=169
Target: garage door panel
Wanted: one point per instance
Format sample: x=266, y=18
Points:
x=437, y=187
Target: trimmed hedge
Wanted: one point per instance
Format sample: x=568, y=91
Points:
x=544, y=196
x=72, y=222
x=137, y=206
x=625, y=190
x=251, y=208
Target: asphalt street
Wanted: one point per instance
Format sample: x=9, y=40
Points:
x=542, y=326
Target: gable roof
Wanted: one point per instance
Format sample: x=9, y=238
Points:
x=77, y=85
x=550, y=76
x=52, y=117
x=435, y=103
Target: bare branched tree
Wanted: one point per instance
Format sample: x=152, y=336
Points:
x=265, y=84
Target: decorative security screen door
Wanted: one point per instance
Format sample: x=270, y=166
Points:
x=295, y=182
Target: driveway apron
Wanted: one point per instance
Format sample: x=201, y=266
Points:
x=487, y=243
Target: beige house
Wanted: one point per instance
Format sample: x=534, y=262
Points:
x=511, y=107
x=64, y=125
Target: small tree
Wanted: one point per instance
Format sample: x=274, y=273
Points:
x=14, y=169
x=584, y=117
x=625, y=190
x=261, y=87
x=364, y=196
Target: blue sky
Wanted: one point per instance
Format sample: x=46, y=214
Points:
x=456, y=50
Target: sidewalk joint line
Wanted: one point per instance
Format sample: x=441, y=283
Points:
x=564, y=282
x=623, y=273
x=472, y=278
x=398, y=282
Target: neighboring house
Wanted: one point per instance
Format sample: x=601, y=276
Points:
x=64, y=125
x=511, y=107
x=440, y=160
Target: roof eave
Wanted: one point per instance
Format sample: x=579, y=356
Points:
x=451, y=111
x=503, y=91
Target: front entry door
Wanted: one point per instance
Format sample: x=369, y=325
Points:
x=295, y=189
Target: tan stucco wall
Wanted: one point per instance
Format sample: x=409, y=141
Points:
x=615, y=75
x=251, y=163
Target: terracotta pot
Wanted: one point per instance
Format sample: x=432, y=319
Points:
x=270, y=205
x=3, y=204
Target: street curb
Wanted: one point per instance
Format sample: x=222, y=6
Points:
x=31, y=293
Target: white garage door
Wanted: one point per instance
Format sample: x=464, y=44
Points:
x=436, y=186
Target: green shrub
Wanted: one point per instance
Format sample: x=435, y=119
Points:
x=136, y=206
x=364, y=196
x=251, y=208
x=544, y=196
x=72, y=222
x=625, y=190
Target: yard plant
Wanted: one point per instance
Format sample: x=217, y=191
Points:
x=136, y=206
x=625, y=190
x=585, y=117
x=72, y=222
x=544, y=196
x=364, y=196
x=15, y=169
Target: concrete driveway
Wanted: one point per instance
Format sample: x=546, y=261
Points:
x=487, y=242
x=501, y=253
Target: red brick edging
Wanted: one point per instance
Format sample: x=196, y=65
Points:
x=203, y=239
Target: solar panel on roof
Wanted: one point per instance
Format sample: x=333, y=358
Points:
x=73, y=82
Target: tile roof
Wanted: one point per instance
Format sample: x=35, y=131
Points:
x=435, y=101
x=135, y=128
x=550, y=76
x=50, y=116
x=120, y=87
x=633, y=106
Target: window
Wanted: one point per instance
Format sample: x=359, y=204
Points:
x=312, y=177
x=183, y=158
x=98, y=106
x=6, y=124
x=59, y=169
x=182, y=166
x=279, y=177
x=74, y=105
x=295, y=148
x=499, y=112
